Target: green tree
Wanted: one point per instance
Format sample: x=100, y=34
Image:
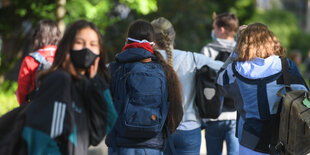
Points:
x=283, y=29
x=192, y=21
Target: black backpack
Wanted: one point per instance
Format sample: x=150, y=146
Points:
x=207, y=99
x=11, y=127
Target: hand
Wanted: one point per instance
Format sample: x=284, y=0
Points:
x=241, y=28
x=93, y=68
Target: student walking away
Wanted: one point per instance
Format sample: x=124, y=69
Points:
x=146, y=93
x=187, y=138
x=296, y=57
x=69, y=111
x=307, y=64
x=45, y=38
x=225, y=26
x=253, y=80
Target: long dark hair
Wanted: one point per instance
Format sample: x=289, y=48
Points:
x=45, y=33
x=62, y=56
x=141, y=29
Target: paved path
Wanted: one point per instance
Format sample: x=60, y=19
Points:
x=102, y=149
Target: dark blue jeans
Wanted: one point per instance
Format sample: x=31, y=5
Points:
x=186, y=142
x=217, y=132
x=133, y=151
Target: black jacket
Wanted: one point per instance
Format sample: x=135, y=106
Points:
x=66, y=115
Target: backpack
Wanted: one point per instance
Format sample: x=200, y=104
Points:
x=11, y=127
x=207, y=99
x=294, y=128
x=43, y=65
x=294, y=123
x=141, y=99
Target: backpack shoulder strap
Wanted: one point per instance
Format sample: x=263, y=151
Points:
x=38, y=57
x=43, y=63
x=285, y=71
x=275, y=146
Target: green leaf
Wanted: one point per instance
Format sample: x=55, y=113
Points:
x=141, y=6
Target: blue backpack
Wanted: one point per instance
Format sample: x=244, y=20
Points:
x=140, y=97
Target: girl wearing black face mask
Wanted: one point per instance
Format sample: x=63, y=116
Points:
x=71, y=107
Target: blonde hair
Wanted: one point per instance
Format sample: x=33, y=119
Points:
x=164, y=36
x=257, y=41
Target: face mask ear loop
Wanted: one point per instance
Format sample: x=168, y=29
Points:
x=140, y=41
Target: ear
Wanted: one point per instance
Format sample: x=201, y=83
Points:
x=222, y=30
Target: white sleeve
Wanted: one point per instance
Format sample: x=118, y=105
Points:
x=202, y=60
x=205, y=51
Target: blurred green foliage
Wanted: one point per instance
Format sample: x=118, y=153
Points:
x=141, y=6
x=274, y=19
x=8, y=100
x=92, y=10
x=192, y=21
x=300, y=41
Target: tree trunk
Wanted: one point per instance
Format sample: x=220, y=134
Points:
x=60, y=14
x=308, y=18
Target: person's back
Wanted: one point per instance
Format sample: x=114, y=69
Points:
x=225, y=26
x=184, y=65
x=45, y=39
x=307, y=65
x=253, y=80
x=146, y=93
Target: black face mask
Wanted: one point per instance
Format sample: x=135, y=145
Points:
x=83, y=58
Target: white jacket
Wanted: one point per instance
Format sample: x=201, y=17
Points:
x=184, y=65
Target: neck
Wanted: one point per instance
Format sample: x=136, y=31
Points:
x=230, y=38
x=146, y=60
x=227, y=38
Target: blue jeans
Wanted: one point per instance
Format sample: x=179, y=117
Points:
x=133, y=151
x=217, y=132
x=186, y=142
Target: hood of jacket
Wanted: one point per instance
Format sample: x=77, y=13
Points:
x=134, y=54
x=223, y=45
x=259, y=67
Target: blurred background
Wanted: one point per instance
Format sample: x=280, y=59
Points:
x=192, y=19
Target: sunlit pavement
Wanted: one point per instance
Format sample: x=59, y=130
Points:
x=102, y=149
